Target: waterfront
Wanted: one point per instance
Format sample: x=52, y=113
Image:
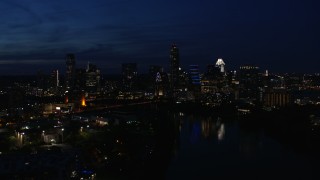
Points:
x=166, y=141
x=209, y=147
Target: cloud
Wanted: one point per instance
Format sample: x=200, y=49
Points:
x=57, y=34
x=30, y=61
x=36, y=19
x=113, y=31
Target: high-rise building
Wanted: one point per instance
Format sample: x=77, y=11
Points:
x=214, y=80
x=158, y=80
x=213, y=72
x=53, y=83
x=195, y=75
x=154, y=69
x=277, y=98
x=70, y=73
x=54, y=79
x=159, y=87
x=42, y=80
x=250, y=81
x=92, y=80
x=195, y=80
x=174, y=66
x=80, y=79
x=129, y=75
x=220, y=63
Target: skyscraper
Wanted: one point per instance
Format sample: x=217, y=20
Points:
x=195, y=80
x=129, y=75
x=174, y=66
x=54, y=79
x=159, y=88
x=213, y=71
x=195, y=75
x=154, y=69
x=250, y=81
x=70, y=73
x=159, y=81
x=92, y=79
x=80, y=79
x=220, y=63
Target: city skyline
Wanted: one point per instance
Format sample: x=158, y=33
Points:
x=273, y=35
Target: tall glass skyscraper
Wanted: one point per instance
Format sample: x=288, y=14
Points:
x=70, y=73
x=92, y=79
x=174, y=66
x=195, y=75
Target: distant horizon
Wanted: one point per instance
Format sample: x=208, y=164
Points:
x=145, y=70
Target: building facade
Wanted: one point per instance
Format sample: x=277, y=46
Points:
x=174, y=66
x=70, y=72
x=129, y=76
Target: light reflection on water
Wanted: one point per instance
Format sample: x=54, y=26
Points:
x=206, y=128
x=210, y=147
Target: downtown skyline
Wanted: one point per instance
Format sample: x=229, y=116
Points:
x=273, y=35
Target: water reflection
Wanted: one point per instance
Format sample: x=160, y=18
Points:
x=221, y=132
x=195, y=132
x=215, y=148
x=250, y=142
x=205, y=128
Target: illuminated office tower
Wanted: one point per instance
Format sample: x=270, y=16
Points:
x=55, y=78
x=174, y=66
x=195, y=80
x=220, y=63
x=195, y=75
x=250, y=81
x=92, y=80
x=70, y=73
x=159, y=80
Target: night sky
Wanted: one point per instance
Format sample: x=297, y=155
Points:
x=278, y=35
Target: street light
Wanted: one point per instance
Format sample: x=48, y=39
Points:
x=22, y=135
x=62, y=134
x=43, y=135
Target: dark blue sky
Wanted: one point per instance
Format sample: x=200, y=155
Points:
x=279, y=35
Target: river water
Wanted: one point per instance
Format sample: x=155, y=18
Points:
x=215, y=148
